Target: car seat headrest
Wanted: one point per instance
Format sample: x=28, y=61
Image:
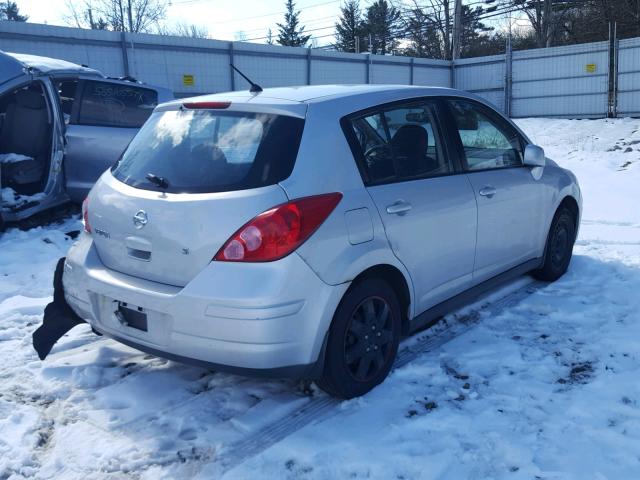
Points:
x=30, y=99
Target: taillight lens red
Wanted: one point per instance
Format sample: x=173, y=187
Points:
x=279, y=231
x=85, y=215
x=206, y=105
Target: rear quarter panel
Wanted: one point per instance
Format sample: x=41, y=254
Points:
x=325, y=164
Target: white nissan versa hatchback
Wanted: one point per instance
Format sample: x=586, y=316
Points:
x=303, y=231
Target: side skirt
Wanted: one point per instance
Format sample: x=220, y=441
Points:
x=431, y=316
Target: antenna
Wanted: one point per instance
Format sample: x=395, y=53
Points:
x=255, y=88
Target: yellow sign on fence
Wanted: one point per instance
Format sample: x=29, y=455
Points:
x=590, y=68
x=188, y=80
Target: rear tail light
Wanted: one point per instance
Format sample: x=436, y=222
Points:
x=85, y=215
x=278, y=232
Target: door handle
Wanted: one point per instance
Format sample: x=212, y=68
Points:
x=399, y=208
x=487, y=191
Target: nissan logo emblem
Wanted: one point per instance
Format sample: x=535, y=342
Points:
x=140, y=219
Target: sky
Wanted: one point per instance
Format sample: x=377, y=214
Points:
x=224, y=19
x=246, y=20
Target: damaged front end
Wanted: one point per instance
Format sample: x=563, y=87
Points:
x=58, y=318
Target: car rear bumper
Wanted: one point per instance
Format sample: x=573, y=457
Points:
x=252, y=318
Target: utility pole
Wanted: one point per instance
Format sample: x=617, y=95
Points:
x=457, y=29
x=130, y=15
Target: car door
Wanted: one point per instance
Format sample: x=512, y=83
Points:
x=427, y=208
x=509, y=198
x=102, y=117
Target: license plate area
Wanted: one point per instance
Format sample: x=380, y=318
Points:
x=132, y=316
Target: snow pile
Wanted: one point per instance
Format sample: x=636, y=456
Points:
x=11, y=200
x=13, y=157
x=543, y=389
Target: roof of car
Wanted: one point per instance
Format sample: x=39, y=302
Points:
x=51, y=65
x=310, y=93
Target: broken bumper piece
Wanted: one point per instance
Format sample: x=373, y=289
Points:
x=58, y=319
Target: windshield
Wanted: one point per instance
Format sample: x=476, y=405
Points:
x=199, y=151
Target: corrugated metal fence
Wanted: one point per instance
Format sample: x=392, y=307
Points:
x=576, y=81
x=570, y=81
x=190, y=66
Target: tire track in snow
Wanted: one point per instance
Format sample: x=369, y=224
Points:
x=322, y=407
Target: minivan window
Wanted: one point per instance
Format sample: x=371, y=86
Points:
x=202, y=151
x=115, y=105
x=488, y=143
x=400, y=143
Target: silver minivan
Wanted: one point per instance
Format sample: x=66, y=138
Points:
x=303, y=231
x=61, y=126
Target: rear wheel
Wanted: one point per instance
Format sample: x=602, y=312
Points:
x=559, y=246
x=363, y=340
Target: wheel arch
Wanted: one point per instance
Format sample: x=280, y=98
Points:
x=571, y=204
x=396, y=280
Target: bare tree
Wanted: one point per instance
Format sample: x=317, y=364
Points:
x=82, y=14
x=428, y=22
x=422, y=34
x=182, y=29
x=547, y=17
x=118, y=15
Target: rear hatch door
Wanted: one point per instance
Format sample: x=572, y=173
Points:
x=186, y=183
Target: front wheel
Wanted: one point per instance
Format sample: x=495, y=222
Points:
x=363, y=339
x=559, y=246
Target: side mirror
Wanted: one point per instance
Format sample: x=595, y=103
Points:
x=534, y=156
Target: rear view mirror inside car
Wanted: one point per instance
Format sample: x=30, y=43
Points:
x=466, y=120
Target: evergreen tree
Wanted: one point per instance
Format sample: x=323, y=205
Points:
x=350, y=29
x=382, y=24
x=290, y=33
x=10, y=11
x=422, y=34
x=475, y=34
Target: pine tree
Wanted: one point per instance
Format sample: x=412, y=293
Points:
x=10, y=11
x=382, y=24
x=350, y=28
x=474, y=33
x=291, y=34
x=423, y=36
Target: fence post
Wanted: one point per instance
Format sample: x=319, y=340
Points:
x=309, y=66
x=452, y=73
x=612, y=73
x=508, y=78
x=125, y=55
x=368, y=68
x=411, y=61
x=232, y=62
x=616, y=50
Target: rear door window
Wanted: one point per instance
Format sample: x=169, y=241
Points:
x=200, y=151
x=115, y=105
x=400, y=143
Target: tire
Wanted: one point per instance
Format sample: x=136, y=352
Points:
x=559, y=247
x=363, y=339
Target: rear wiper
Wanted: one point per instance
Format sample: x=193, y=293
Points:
x=160, y=182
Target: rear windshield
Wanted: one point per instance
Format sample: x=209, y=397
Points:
x=201, y=151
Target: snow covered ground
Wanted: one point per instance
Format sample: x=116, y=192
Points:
x=544, y=386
